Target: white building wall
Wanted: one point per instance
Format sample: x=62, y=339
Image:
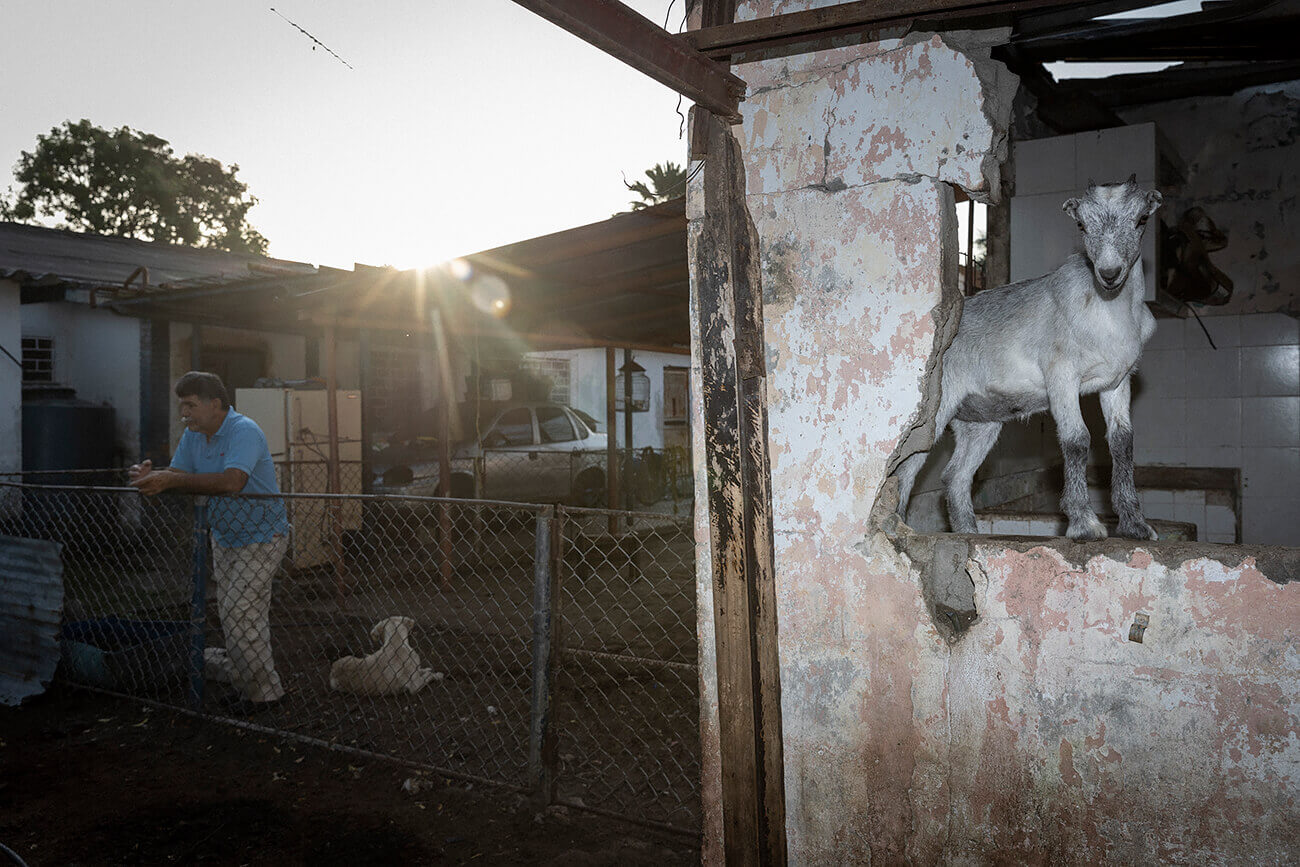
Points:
x=286, y=356
x=11, y=385
x=587, y=391
x=97, y=353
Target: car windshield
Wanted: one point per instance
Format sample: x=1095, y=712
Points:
x=514, y=428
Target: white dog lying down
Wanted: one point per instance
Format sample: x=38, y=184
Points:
x=393, y=668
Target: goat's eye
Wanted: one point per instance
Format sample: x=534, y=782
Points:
x=1142, y=221
x=1081, y=226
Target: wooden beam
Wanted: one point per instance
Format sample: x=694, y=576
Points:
x=639, y=42
x=1063, y=112
x=1239, y=31
x=531, y=340
x=728, y=307
x=1169, y=84
x=843, y=19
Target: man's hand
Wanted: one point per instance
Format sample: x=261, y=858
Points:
x=143, y=468
x=152, y=482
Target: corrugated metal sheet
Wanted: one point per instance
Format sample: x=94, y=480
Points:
x=34, y=255
x=31, y=606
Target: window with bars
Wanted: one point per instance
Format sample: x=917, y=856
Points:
x=38, y=359
x=555, y=369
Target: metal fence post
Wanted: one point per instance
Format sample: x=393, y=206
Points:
x=541, y=733
x=198, y=601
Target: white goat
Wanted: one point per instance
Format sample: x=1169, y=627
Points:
x=393, y=668
x=1040, y=344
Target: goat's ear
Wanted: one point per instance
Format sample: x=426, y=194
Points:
x=1132, y=181
x=1071, y=207
x=1154, y=201
x=1092, y=185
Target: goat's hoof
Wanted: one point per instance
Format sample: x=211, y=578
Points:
x=1137, y=529
x=1086, y=530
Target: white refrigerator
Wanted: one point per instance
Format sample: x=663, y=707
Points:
x=296, y=424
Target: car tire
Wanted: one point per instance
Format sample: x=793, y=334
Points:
x=589, y=489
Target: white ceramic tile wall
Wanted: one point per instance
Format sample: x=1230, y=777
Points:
x=1213, y=523
x=1234, y=406
x=1050, y=170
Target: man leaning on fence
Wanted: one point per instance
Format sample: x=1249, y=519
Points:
x=224, y=452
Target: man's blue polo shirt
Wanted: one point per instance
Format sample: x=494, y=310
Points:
x=238, y=443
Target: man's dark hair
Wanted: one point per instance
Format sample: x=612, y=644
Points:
x=204, y=386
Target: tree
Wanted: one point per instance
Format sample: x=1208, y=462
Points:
x=667, y=181
x=130, y=183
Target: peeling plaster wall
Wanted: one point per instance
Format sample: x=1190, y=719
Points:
x=849, y=154
x=1243, y=166
x=1067, y=741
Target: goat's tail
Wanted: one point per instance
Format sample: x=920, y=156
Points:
x=907, y=472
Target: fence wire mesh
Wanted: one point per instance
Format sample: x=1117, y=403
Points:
x=538, y=474
x=628, y=651
x=401, y=626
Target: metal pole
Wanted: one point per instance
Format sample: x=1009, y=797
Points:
x=611, y=440
x=541, y=735
x=444, y=489
x=198, y=601
x=629, y=476
x=970, y=247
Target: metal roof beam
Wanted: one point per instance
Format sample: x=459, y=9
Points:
x=639, y=42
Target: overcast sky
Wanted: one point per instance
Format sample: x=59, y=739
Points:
x=459, y=125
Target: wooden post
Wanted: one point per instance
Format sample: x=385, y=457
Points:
x=728, y=307
x=611, y=440
x=970, y=247
x=335, y=483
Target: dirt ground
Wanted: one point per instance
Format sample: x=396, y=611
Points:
x=87, y=779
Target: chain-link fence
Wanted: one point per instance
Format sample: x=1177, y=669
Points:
x=547, y=648
x=537, y=474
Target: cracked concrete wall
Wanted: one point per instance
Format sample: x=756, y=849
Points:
x=1068, y=741
x=849, y=156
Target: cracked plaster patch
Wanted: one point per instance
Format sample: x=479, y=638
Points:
x=855, y=116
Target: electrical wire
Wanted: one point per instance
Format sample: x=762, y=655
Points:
x=312, y=38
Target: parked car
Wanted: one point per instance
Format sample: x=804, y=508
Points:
x=529, y=452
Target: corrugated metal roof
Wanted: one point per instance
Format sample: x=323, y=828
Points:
x=31, y=607
x=36, y=256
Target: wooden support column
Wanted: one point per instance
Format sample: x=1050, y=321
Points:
x=729, y=310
